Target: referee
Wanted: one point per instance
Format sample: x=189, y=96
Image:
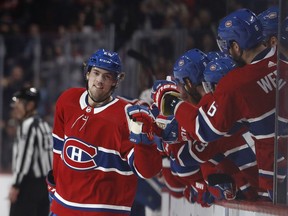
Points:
x=32, y=157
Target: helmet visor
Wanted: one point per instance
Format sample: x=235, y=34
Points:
x=223, y=45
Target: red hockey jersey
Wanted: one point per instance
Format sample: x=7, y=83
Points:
x=245, y=95
x=94, y=162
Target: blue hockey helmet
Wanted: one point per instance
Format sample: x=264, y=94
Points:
x=190, y=65
x=269, y=20
x=241, y=26
x=218, y=68
x=104, y=59
x=215, y=55
x=284, y=33
x=215, y=70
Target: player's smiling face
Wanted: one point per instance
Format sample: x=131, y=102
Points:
x=100, y=84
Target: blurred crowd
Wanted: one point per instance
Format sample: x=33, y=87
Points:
x=23, y=22
x=24, y=25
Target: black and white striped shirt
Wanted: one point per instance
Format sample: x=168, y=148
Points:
x=32, y=150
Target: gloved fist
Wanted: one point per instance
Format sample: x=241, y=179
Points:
x=171, y=132
x=166, y=96
x=169, y=127
x=222, y=186
x=199, y=193
x=141, y=122
x=51, y=185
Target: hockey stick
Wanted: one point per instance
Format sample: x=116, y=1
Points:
x=145, y=62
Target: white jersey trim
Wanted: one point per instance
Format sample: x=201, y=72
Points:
x=114, y=170
x=206, y=119
x=83, y=104
x=262, y=116
x=82, y=205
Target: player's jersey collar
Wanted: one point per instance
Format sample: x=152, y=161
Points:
x=268, y=52
x=83, y=103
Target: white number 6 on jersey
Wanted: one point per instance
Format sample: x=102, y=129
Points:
x=212, y=110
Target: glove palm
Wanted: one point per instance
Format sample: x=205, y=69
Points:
x=166, y=96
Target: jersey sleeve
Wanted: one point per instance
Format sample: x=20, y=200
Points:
x=213, y=119
x=58, y=136
x=144, y=160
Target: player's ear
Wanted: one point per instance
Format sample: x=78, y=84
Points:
x=87, y=76
x=121, y=76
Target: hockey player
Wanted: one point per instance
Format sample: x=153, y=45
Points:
x=214, y=71
x=32, y=156
x=95, y=165
x=246, y=94
x=216, y=156
x=188, y=71
x=269, y=20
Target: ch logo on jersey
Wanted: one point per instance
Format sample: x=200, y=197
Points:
x=79, y=155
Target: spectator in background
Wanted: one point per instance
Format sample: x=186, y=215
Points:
x=10, y=84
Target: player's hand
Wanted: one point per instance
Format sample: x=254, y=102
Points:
x=141, y=123
x=13, y=194
x=51, y=185
x=222, y=186
x=170, y=129
x=166, y=96
x=199, y=193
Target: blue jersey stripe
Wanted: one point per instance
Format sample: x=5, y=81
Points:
x=185, y=157
x=57, y=143
x=242, y=157
x=181, y=170
x=204, y=129
x=263, y=126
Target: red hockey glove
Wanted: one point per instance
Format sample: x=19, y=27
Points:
x=140, y=124
x=199, y=193
x=166, y=96
x=51, y=185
